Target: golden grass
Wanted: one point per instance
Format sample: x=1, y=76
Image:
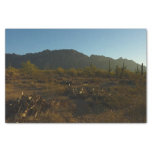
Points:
x=103, y=99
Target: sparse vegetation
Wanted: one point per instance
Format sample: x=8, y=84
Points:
x=75, y=95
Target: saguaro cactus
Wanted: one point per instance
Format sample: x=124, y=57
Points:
x=137, y=70
x=142, y=69
x=122, y=69
x=117, y=71
x=109, y=69
x=90, y=64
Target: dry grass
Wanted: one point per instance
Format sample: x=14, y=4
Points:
x=86, y=99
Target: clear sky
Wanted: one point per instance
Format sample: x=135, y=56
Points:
x=115, y=43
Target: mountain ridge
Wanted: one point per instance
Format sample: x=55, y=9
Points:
x=67, y=58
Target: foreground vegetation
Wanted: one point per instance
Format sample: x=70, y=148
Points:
x=75, y=95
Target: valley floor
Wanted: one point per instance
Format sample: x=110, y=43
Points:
x=76, y=99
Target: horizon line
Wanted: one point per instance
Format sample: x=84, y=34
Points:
x=76, y=51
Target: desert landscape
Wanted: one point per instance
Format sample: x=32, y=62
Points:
x=75, y=95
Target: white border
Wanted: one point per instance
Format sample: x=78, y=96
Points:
x=75, y=14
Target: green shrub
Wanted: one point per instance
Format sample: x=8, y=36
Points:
x=11, y=72
x=28, y=68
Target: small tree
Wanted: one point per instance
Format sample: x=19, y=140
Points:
x=28, y=68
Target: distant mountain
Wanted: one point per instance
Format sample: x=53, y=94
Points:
x=66, y=58
x=103, y=63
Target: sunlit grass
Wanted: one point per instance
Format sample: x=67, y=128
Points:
x=74, y=96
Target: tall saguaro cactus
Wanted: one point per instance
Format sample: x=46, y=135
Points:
x=137, y=70
x=142, y=69
x=109, y=69
x=117, y=71
x=90, y=64
x=122, y=69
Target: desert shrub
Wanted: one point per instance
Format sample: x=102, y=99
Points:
x=29, y=69
x=60, y=71
x=72, y=72
x=89, y=71
x=112, y=74
x=80, y=72
x=101, y=73
x=11, y=72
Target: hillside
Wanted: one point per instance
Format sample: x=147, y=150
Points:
x=66, y=58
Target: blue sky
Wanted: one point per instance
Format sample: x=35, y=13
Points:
x=115, y=43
